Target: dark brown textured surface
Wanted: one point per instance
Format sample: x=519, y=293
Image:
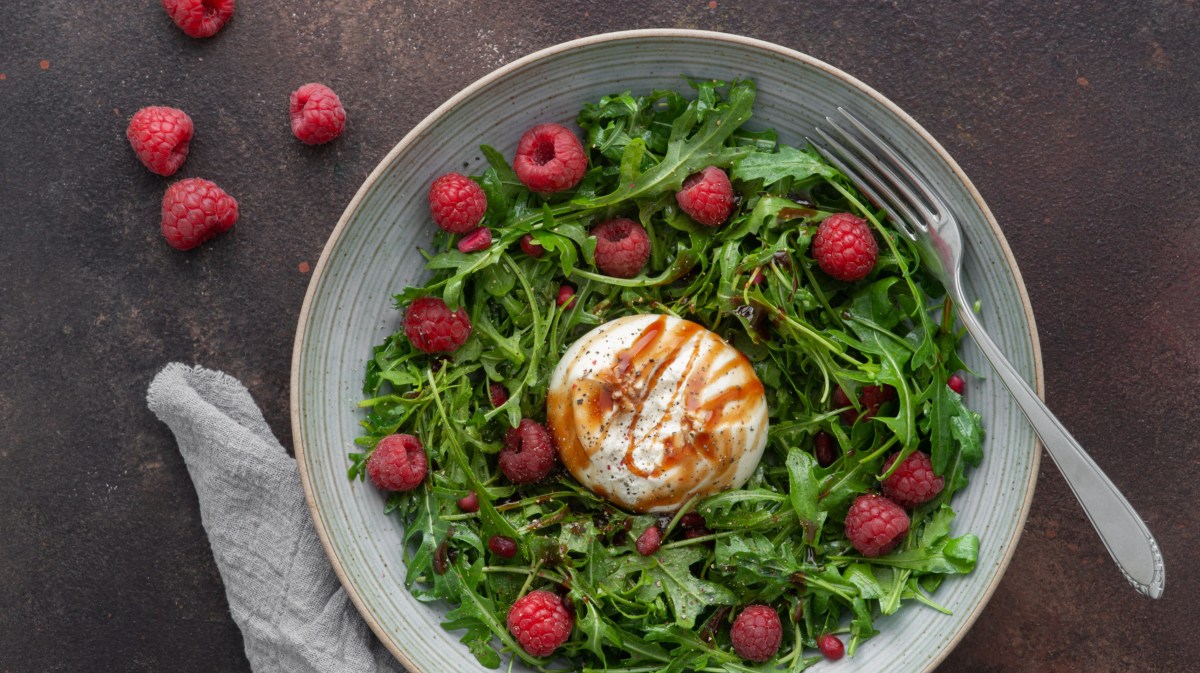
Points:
x=1077, y=121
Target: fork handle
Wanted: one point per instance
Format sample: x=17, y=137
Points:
x=1121, y=529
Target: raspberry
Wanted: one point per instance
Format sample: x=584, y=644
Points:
x=831, y=646
x=870, y=398
x=160, y=136
x=566, y=295
x=622, y=247
x=469, y=503
x=317, y=114
x=199, y=18
x=823, y=448
x=504, y=547
x=195, y=210
x=433, y=328
x=956, y=383
x=550, y=159
x=457, y=203
x=649, y=541
x=914, y=482
x=398, y=463
x=692, y=520
x=756, y=633
x=531, y=247
x=540, y=622
x=497, y=394
x=707, y=196
x=480, y=239
x=528, y=454
x=844, y=247
x=875, y=525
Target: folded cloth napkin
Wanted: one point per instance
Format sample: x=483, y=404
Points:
x=294, y=615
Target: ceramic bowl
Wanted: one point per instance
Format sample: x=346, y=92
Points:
x=373, y=254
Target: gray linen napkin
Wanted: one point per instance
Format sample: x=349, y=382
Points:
x=294, y=615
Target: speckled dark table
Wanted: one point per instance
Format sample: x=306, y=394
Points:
x=1077, y=121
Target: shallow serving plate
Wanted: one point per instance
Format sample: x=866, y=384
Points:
x=373, y=253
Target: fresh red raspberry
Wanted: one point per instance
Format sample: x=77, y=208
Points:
x=566, y=295
x=824, y=448
x=531, y=247
x=622, y=247
x=528, y=454
x=398, y=463
x=957, y=384
x=457, y=203
x=870, y=398
x=707, y=196
x=844, y=247
x=831, y=646
x=469, y=503
x=160, y=136
x=497, y=394
x=692, y=520
x=875, y=525
x=195, y=210
x=550, y=159
x=317, y=114
x=433, y=328
x=914, y=482
x=540, y=622
x=199, y=18
x=756, y=633
x=504, y=547
x=649, y=541
x=480, y=239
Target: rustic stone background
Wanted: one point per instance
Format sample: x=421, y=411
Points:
x=1076, y=120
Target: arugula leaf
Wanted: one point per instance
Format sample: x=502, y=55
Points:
x=788, y=162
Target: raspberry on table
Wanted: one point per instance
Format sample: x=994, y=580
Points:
x=649, y=541
x=870, y=399
x=317, y=114
x=756, y=633
x=914, y=481
x=199, y=18
x=566, y=296
x=550, y=159
x=528, y=454
x=531, y=247
x=160, y=137
x=875, y=525
x=504, y=547
x=957, y=384
x=707, y=197
x=622, y=247
x=831, y=646
x=540, y=622
x=194, y=211
x=469, y=503
x=457, y=203
x=433, y=328
x=844, y=247
x=398, y=463
x=480, y=239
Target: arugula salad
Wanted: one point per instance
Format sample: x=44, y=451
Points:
x=779, y=539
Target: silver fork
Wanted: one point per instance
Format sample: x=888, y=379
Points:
x=923, y=216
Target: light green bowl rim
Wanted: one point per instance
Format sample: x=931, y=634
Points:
x=384, y=636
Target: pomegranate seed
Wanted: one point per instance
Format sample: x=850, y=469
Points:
x=502, y=546
x=480, y=239
x=469, y=503
x=649, y=541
